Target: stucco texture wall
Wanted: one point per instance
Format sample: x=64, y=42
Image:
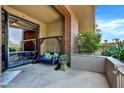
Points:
x=87, y=20
x=43, y=33
x=54, y=29
x=74, y=29
x=86, y=17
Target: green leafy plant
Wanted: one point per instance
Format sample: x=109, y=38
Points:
x=115, y=51
x=64, y=57
x=11, y=49
x=88, y=42
x=14, y=47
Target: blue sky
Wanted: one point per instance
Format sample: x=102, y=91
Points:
x=15, y=35
x=110, y=19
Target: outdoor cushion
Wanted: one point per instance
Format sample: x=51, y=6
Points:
x=46, y=55
x=47, y=60
x=44, y=59
x=56, y=55
x=50, y=57
x=55, y=59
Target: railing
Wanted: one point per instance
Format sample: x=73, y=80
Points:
x=19, y=58
x=120, y=77
x=115, y=72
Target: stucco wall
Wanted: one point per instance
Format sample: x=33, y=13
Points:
x=43, y=26
x=74, y=29
x=43, y=33
x=87, y=62
x=54, y=29
x=87, y=21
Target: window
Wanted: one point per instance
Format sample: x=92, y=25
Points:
x=15, y=38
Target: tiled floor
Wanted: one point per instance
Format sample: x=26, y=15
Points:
x=43, y=75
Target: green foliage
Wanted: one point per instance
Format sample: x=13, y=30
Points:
x=64, y=58
x=116, y=51
x=88, y=42
x=11, y=49
x=14, y=48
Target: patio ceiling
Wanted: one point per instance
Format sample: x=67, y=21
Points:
x=85, y=15
x=81, y=11
x=43, y=13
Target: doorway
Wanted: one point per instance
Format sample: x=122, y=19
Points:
x=19, y=40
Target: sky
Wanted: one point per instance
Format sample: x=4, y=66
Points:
x=15, y=35
x=110, y=19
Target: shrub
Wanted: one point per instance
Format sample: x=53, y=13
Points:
x=12, y=49
x=87, y=42
x=115, y=51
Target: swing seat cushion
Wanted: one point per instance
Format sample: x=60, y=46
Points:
x=44, y=59
x=47, y=60
x=49, y=57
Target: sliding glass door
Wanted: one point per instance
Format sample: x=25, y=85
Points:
x=19, y=40
x=5, y=24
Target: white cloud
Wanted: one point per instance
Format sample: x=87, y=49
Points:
x=114, y=27
x=14, y=41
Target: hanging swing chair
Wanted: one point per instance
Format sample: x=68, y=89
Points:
x=49, y=57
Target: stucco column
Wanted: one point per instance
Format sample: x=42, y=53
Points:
x=66, y=40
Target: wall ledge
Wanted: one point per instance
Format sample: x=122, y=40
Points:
x=111, y=59
x=116, y=62
x=84, y=55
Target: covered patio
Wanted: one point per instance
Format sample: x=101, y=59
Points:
x=37, y=32
x=42, y=75
x=84, y=71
